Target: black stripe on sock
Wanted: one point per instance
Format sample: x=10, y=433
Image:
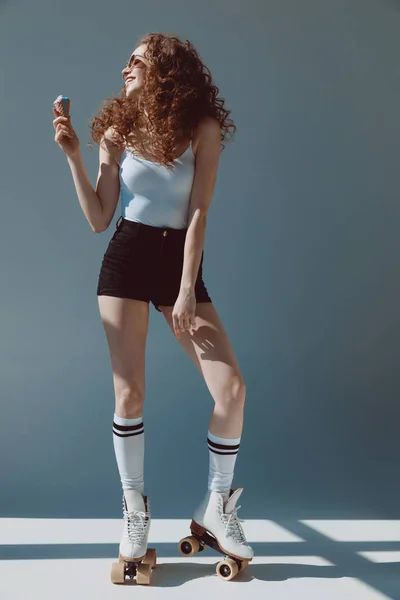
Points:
x=128, y=434
x=130, y=429
x=223, y=453
x=222, y=446
x=127, y=427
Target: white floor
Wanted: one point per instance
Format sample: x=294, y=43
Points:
x=71, y=558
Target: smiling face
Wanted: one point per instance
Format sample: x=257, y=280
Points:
x=134, y=71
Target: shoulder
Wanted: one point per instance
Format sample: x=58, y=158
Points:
x=110, y=136
x=111, y=142
x=207, y=130
x=208, y=126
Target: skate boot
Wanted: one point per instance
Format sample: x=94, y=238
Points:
x=220, y=519
x=137, y=519
x=135, y=560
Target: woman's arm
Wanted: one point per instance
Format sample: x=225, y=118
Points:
x=88, y=199
x=207, y=159
x=98, y=204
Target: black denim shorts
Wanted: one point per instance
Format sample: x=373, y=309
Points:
x=145, y=263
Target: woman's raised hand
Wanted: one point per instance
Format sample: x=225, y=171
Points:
x=65, y=135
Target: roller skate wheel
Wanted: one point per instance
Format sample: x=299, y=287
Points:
x=150, y=558
x=189, y=546
x=143, y=574
x=227, y=569
x=118, y=573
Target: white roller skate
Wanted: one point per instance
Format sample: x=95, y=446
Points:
x=135, y=560
x=137, y=519
x=215, y=524
x=220, y=519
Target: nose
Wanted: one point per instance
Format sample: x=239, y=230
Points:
x=126, y=70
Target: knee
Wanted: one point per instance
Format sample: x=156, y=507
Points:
x=129, y=402
x=235, y=390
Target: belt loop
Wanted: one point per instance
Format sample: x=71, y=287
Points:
x=117, y=226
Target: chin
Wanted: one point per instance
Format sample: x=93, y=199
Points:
x=131, y=91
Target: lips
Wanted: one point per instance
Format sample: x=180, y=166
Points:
x=129, y=79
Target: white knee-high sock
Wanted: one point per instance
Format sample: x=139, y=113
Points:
x=128, y=437
x=222, y=453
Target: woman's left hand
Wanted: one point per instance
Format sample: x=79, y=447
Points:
x=184, y=311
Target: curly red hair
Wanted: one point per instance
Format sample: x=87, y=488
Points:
x=177, y=92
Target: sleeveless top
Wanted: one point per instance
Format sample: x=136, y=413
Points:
x=153, y=194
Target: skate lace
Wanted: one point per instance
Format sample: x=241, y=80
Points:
x=137, y=523
x=233, y=527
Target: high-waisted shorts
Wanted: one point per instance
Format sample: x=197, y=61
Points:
x=145, y=263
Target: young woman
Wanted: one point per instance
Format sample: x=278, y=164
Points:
x=159, y=146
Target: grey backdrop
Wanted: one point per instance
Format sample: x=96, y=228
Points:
x=301, y=260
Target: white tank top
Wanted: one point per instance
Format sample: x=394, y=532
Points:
x=153, y=194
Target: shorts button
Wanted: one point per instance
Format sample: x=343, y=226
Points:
x=165, y=233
